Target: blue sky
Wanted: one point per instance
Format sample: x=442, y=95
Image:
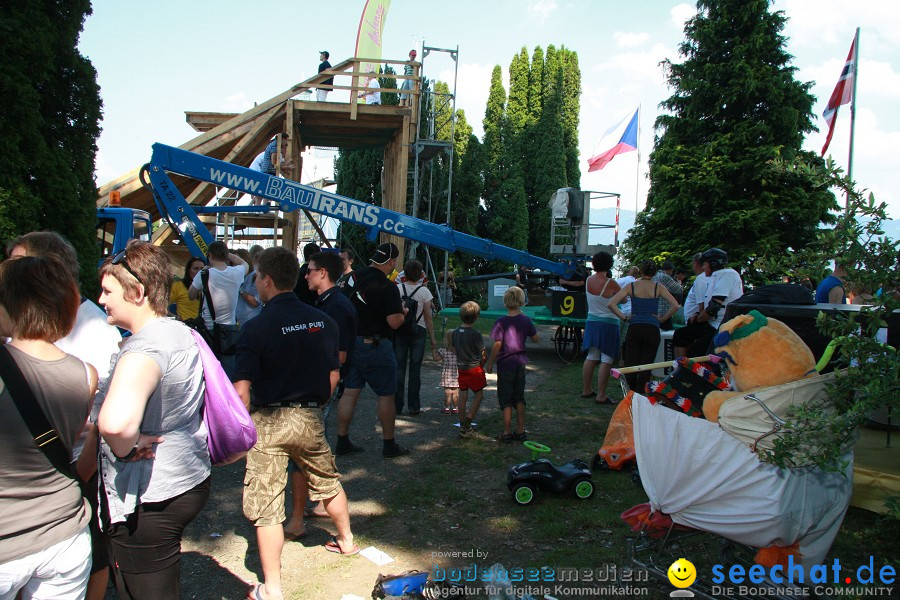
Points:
x=157, y=59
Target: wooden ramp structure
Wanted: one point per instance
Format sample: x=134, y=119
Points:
x=299, y=124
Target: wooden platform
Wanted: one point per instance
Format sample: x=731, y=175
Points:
x=239, y=138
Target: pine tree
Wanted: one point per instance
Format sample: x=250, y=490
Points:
x=735, y=108
x=49, y=126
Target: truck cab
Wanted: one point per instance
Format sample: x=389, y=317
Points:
x=115, y=226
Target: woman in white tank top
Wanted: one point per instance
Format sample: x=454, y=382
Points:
x=601, y=330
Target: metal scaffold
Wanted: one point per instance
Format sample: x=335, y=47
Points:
x=432, y=182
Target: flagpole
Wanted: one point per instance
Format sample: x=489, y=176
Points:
x=637, y=171
x=852, y=115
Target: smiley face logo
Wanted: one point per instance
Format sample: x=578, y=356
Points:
x=682, y=573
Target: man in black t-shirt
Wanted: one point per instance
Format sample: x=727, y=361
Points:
x=380, y=312
x=301, y=289
x=289, y=353
x=322, y=93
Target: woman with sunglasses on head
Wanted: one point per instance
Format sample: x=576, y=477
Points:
x=151, y=409
x=45, y=545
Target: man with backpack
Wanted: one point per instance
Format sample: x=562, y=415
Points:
x=409, y=338
x=380, y=312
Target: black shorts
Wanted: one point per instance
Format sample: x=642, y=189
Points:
x=511, y=387
x=696, y=337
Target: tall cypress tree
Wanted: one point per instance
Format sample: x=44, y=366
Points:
x=48, y=126
x=517, y=107
x=571, y=106
x=531, y=159
x=736, y=106
x=506, y=219
x=551, y=170
x=358, y=175
x=493, y=149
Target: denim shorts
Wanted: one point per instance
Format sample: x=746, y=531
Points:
x=373, y=363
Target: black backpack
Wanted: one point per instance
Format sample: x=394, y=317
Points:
x=777, y=293
x=410, y=322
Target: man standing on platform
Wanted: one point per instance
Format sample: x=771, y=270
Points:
x=322, y=94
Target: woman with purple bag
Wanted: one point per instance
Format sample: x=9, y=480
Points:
x=151, y=408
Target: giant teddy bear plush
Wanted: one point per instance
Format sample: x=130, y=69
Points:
x=760, y=352
x=703, y=476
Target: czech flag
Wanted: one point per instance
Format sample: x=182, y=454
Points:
x=842, y=93
x=624, y=137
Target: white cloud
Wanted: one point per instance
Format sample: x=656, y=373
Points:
x=680, y=14
x=542, y=9
x=630, y=40
x=817, y=22
x=237, y=103
x=638, y=65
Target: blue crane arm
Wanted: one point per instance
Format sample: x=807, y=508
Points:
x=292, y=196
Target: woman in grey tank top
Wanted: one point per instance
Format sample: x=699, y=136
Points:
x=150, y=409
x=45, y=546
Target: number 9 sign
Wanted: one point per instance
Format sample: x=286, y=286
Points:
x=567, y=306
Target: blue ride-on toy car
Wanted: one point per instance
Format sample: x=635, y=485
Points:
x=524, y=479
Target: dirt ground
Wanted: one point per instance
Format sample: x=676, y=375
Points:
x=220, y=554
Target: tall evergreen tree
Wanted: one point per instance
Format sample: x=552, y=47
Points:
x=536, y=85
x=358, y=175
x=531, y=160
x=550, y=174
x=492, y=150
x=517, y=106
x=736, y=106
x=48, y=126
x=504, y=195
x=571, y=106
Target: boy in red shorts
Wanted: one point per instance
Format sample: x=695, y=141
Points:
x=469, y=347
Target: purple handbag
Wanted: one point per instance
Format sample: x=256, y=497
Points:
x=231, y=430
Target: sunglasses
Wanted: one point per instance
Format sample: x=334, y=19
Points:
x=120, y=259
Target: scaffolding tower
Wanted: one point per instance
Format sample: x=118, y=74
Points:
x=437, y=113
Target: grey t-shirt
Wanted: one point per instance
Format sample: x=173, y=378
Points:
x=39, y=506
x=173, y=412
x=469, y=344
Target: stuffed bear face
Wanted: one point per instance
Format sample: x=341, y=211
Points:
x=762, y=352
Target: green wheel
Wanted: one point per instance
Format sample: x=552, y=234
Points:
x=523, y=494
x=584, y=488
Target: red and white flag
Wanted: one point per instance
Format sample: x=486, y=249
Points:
x=842, y=94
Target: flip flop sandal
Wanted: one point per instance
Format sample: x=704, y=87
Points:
x=334, y=546
x=254, y=593
x=591, y=395
x=290, y=537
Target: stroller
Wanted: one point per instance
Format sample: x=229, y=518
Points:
x=682, y=390
x=714, y=502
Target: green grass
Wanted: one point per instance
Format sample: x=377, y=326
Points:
x=461, y=501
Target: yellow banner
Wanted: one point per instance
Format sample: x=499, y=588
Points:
x=371, y=29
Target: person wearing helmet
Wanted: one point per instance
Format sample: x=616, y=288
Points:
x=723, y=286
